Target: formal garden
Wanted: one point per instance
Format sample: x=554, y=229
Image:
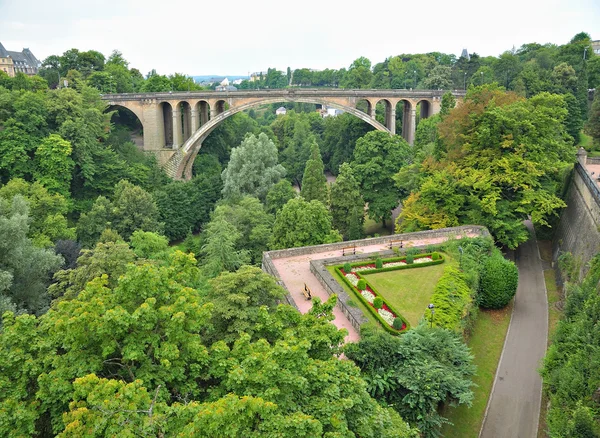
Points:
x=464, y=286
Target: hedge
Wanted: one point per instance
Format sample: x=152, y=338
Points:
x=453, y=300
x=373, y=311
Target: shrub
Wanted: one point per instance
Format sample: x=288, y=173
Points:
x=412, y=251
x=453, y=300
x=435, y=256
x=379, y=263
x=347, y=267
x=378, y=303
x=498, y=283
x=410, y=259
x=398, y=323
x=362, y=284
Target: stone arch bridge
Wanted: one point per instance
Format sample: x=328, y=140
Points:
x=176, y=123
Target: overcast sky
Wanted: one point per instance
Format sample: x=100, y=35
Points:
x=236, y=37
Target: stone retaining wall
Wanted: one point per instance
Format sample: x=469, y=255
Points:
x=578, y=229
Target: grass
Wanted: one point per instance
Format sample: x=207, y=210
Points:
x=585, y=141
x=408, y=290
x=554, y=296
x=486, y=341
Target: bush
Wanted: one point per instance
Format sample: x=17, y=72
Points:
x=498, y=283
x=452, y=298
x=410, y=259
x=379, y=263
x=398, y=323
x=435, y=256
x=347, y=267
x=362, y=284
x=378, y=303
x=412, y=251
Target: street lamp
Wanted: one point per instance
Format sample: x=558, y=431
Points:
x=415, y=79
x=584, y=52
x=465, y=82
x=481, y=77
x=431, y=307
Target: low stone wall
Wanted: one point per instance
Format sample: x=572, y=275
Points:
x=317, y=267
x=447, y=233
x=354, y=314
x=269, y=268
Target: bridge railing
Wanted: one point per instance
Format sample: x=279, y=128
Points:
x=286, y=92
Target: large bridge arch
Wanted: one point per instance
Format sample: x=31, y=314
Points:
x=192, y=146
x=122, y=110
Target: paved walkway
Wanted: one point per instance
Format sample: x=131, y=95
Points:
x=514, y=406
x=295, y=271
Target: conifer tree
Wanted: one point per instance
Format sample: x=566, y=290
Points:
x=347, y=204
x=314, y=183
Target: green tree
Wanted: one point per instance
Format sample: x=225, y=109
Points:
x=219, y=252
x=439, y=78
x=499, y=280
x=314, y=183
x=242, y=297
x=252, y=169
x=48, y=212
x=53, y=165
x=302, y=223
x=377, y=158
x=134, y=209
x=25, y=270
x=279, y=195
x=592, y=126
x=416, y=372
x=91, y=224
x=359, y=74
x=484, y=176
x=254, y=224
x=347, y=205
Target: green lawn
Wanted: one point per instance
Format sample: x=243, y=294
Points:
x=486, y=342
x=408, y=290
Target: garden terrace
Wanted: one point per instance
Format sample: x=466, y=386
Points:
x=294, y=267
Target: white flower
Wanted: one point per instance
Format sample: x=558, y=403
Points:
x=353, y=279
x=393, y=264
x=368, y=295
x=362, y=268
x=423, y=260
x=387, y=316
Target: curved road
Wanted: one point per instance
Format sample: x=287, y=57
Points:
x=514, y=407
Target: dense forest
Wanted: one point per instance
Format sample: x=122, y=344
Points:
x=133, y=304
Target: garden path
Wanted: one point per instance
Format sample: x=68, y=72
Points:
x=295, y=271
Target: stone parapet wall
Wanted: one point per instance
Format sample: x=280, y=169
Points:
x=464, y=230
x=269, y=268
x=578, y=229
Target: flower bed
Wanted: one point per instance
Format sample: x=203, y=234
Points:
x=386, y=314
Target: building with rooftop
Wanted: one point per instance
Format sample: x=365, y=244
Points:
x=24, y=61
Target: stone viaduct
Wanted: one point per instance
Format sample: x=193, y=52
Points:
x=176, y=123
